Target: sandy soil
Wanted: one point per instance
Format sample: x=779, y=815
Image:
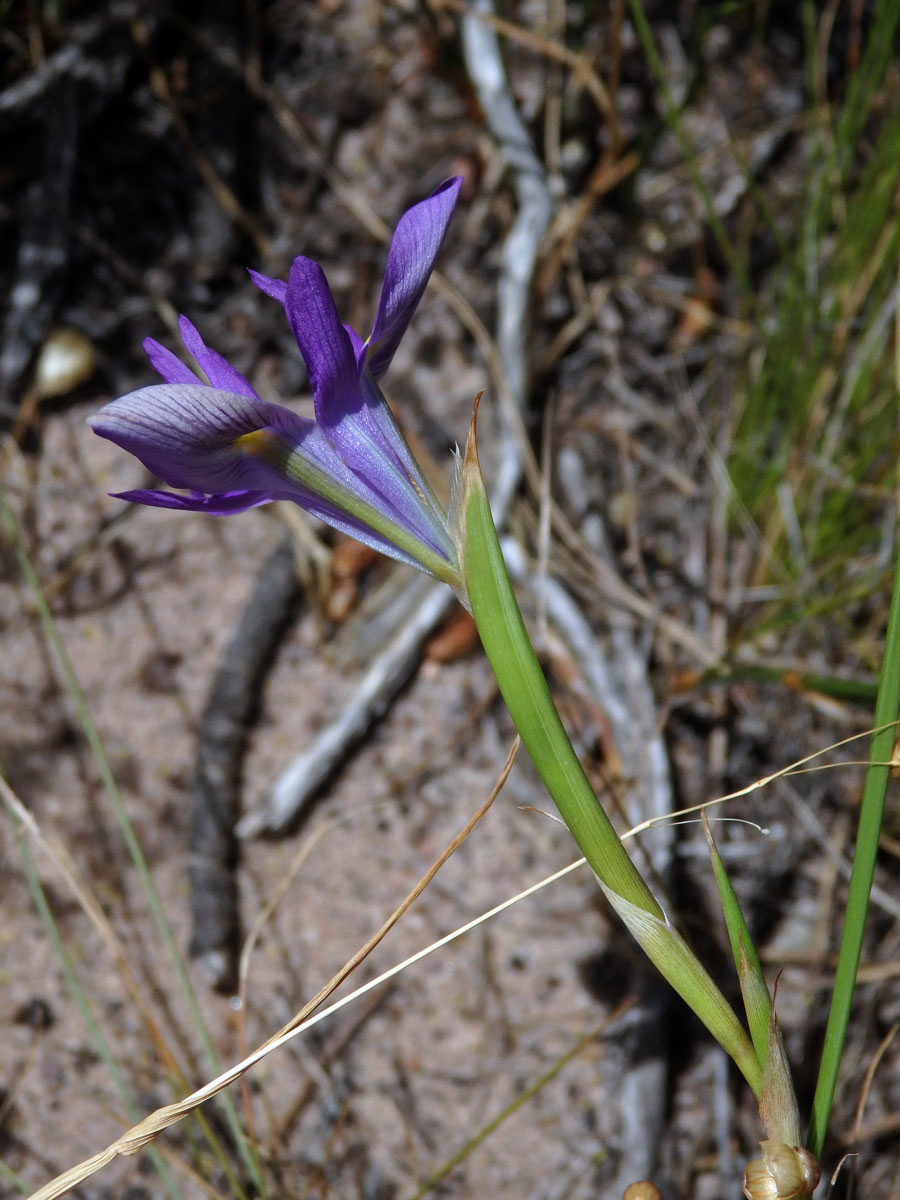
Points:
x=378, y=1098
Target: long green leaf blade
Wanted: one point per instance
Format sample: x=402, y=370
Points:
x=757, y=1002
x=870, y=818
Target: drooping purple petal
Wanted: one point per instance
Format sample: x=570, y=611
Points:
x=186, y=435
x=217, y=506
x=190, y=437
x=169, y=365
x=220, y=373
x=414, y=248
x=236, y=502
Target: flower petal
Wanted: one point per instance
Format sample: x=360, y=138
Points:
x=235, y=502
x=220, y=373
x=414, y=248
x=276, y=288
x=324, y=342
x=202, y=439
x=371, y=442
x=358, y=345
x=338, y=519
x=186, y=435
x=218, y=506
x=351, y=467
x=343, y=411
x=169, y=365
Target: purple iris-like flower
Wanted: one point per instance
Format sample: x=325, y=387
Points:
x=350, y=467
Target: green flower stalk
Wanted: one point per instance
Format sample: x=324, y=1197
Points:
x=527, y=696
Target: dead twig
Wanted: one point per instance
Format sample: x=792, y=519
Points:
x=302, y=779
x=73, y=61
x=221, y=745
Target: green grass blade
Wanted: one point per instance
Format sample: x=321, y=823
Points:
x=679, y=966
x=757, y=1002
x=865, y=82
x=852, y=691
x=867, y=834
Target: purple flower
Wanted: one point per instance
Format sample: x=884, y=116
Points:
x=350, y=466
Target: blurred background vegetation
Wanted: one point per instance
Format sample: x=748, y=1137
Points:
x=713, y=367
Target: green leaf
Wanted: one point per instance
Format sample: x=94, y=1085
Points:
x=757, y=1002
x=870, y=818
x=677, y=963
